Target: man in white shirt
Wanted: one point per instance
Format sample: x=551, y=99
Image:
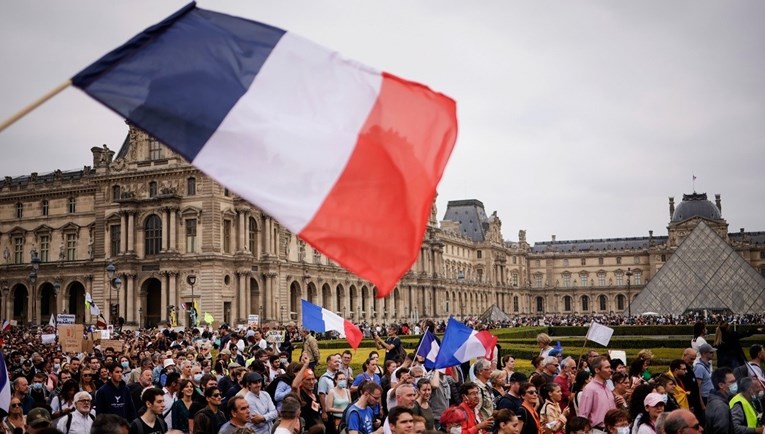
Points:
x=80, y=420
x=262, y=410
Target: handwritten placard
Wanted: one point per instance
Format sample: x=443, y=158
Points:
x=70, y=337
x=117, y=344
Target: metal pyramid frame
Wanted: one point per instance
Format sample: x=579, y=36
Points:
x=704, y=273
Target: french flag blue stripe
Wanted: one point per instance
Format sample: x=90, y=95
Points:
x=313, y=319
x=239, y=48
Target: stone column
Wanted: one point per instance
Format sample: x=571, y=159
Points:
x=173, y=290
x=241, y=305
x=165, y=230
x=131, y=233
x=140, y=314
x=241, y=238
x=267, y=236
x=130, y=314
x=173, y=230
x=163, y=297
x=123, y=233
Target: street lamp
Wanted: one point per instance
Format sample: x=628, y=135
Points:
x=140, y=312
x=56, y=288
x=629, y=304
x=191, y=279
x=116, y=283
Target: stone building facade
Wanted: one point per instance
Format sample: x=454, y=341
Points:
x=158, y=220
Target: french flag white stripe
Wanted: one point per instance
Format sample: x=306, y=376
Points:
x=307, y=103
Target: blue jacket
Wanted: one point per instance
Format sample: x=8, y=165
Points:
x=113, y=399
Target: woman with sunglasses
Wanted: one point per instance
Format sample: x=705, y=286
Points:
x=87, y=382
x=527, y=413
x=15, y=418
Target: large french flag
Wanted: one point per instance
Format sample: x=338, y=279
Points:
x=5, y=386
x=462, y=343
x=321, y=320
x=344, y=155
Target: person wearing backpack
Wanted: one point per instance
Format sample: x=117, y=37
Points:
x=151, y=422
x=80, y=420
x=358, y=417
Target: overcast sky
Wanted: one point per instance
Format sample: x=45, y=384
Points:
x=576, y=118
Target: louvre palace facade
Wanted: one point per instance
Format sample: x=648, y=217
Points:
x=154, y=221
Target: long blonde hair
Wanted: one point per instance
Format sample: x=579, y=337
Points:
x=721, y=328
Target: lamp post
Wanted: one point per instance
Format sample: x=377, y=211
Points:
x=629, y=304
x=116, y=283
x=56, y=288
x=35, y=261
x=140, y=312
x=191, y=279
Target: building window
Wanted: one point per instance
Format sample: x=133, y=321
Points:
x=44, y=248
x=515, y=260
x=619, y=278
x=45, y=207
x=191, y=186
x=537, y=281
x=71, y=247
x=515, y=302
x=18, y=250
x=226, y=236
x=583, y=279
x=479, y=254
x=226, y=192
x=153, y=189
x=663, y=258
x=620, y=302
x=636, y=259
x=515, y=279
x=480, y=275
x=19, y=210
x=602, y=302
x=116, y=192
x=253, y=232
x=566, y=280
x=540, y=304
x=567, y=303
x=191, y=235
x=618, y=260
x=601, y=279
x=155, y=150
x=115, y=239
x=72, y=205
x=638, y=277
x=585, y=303
x=152, y=235
x=584, y=261
x=600, y=261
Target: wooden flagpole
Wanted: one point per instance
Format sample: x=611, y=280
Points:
x=23, y=112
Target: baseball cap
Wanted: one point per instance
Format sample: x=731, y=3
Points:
x=38, y=418
x=706, y=348
x=653, y=399
x=252, y=377
x=517, y=377
x=556, y=352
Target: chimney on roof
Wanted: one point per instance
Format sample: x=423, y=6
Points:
x=553, y=238
x=671, y=207
x=718, y=202
x=742, y=231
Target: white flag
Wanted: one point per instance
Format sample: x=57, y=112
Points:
x=599, y=333
x=52, y=321
x=94, y=310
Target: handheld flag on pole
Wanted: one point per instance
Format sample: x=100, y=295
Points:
x=339, y=137
x=428, y=349
x=209, y=318
x=599, y=333
x=321, y=320
x=461, y=343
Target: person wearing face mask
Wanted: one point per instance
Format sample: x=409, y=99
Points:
x=338, y=398
x=617, y=421
x=742, y=410
x=452, y=419
x=718, y=414
x=37, y=391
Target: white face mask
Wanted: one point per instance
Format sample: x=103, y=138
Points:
x=455, y=430
x=623, y=430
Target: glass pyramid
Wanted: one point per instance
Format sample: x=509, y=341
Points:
x=704, y=273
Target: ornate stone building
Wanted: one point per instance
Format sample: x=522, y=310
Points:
x=158, y=220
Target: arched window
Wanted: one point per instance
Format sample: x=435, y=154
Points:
x=585, y=303
x=540, y=304
x=567, y=303
x=152, y=235
x=602, y=302
x=620, y=302
x=191, y=186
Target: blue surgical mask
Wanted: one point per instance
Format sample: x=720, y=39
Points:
x=283, y=361
x=733, y=388
x=197, y=378
x=342, y=384
x=56, y=366
x=623, y=430
x=37, y=386
x=125, y=364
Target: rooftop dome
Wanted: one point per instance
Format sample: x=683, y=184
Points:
x=696, y=205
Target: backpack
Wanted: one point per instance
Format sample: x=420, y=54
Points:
x=69, y=421
x=139, y=424
x=343, y=427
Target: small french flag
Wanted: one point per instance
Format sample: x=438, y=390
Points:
x=321, y=320
x=6, y=325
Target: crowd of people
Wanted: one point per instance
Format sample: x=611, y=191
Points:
x=236, y=381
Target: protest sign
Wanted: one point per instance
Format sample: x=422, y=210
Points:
x=253, y=321
x=70, y=337
x=276, y=336
x=65, y=318
x=116, y=344
x=48, y=339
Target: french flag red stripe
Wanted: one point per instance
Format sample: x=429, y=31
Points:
x=374, y=218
